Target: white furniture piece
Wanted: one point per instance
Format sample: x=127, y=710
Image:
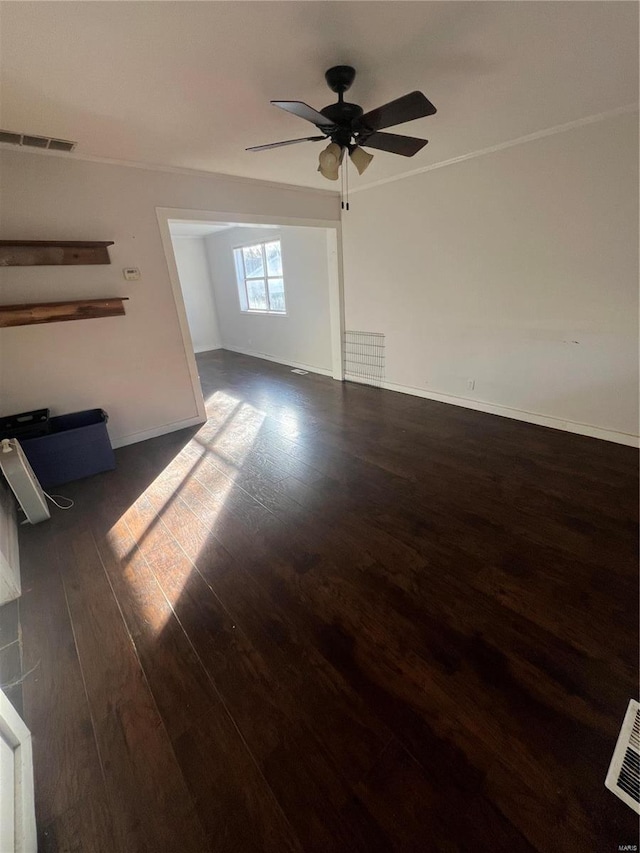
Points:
x=17, y=806
x=24, y=483
x=9, y=553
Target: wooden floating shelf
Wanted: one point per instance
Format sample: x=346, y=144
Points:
x=33, y=253
x=55, y=312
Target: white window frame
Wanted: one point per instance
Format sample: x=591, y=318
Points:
x=242, y=283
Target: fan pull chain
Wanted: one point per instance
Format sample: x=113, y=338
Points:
x=346, y=175
x=344, y=181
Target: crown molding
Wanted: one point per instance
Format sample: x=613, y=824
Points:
x=520, y=140
x=158, y=167
x=222, y=176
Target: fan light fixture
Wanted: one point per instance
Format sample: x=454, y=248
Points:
x=347, y=127
x=330, y=159
x=360, y=158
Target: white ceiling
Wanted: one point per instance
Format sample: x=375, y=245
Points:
x=196, y=229
x=188, y=84
x=190, y=228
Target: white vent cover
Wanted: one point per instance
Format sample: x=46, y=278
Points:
x=299, y=371
x=364, y=357
x=36, y=141
x=623, y=777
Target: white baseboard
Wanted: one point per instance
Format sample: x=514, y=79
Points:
x=514, y=414
x=310, y=367
x=466, y=403
x=207, y=348
x=134, y=437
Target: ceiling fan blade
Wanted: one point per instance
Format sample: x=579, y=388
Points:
x=407, y=108
x=288, y=142
x=407, y=146
x=302, y=110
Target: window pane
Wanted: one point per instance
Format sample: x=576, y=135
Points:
x=257, y=294
x=253, y=263
x=276, y=294
x=274, y=258
x=237, y=255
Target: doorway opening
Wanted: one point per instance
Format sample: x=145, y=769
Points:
x=268, y=289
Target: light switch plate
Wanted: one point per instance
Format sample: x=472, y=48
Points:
x=131, y=273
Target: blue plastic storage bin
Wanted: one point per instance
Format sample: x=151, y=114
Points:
x=78, y=446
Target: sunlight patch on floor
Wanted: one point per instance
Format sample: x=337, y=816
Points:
x=186, y=498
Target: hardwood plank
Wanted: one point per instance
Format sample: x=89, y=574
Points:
x=417, y=815
x=151, y=807
x=464, y=655
x=332, y=602
x=348, y=730
x=484, y=548
x=67, y=768
x=295, y=762
x=232, y=799
x=338, y=724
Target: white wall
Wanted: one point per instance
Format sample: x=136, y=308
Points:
x=517, y=269
x=134, y=366
x=302, y=337
x=193, y=269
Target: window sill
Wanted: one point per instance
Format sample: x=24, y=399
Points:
x=256, y=313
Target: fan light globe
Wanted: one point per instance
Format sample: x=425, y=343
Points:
x=360, y=159
x=330, y=159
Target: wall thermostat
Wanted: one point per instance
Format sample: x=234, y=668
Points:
x=131, y=273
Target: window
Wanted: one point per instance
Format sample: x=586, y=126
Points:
x=259, y=276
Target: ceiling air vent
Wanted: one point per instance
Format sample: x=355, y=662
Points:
x=623, y=777
x=36, y=141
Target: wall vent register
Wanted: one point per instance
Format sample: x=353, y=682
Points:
x=623, y=778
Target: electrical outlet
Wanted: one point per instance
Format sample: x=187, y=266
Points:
x=471, y=384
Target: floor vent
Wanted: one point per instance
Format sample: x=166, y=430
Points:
x=36, y=141
x=623, y=777
x=364, y=357
x=299, y=371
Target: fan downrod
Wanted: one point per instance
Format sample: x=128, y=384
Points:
x=340, y=77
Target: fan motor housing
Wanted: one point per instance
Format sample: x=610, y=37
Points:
x=340, y=77
x=348, y=126
x=342, y=113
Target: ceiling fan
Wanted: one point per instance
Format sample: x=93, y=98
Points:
x=351, y=129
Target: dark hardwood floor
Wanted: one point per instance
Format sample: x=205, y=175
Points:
x=334, y=619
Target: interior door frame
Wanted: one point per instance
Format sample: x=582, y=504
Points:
x=15, y=733
x=333, y=230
